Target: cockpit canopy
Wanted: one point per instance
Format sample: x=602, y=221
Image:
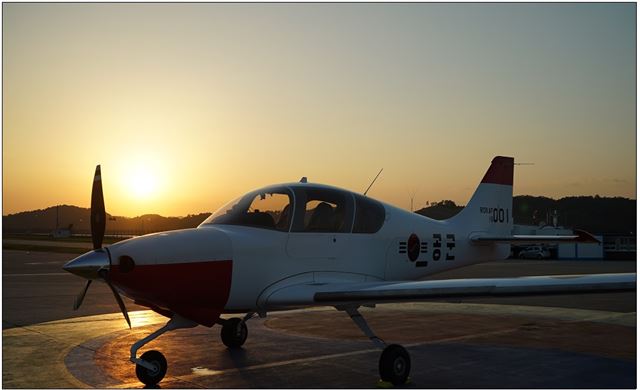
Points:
x=302, y=208
x=264, y=208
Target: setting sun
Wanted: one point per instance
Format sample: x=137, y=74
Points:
x=143, y=183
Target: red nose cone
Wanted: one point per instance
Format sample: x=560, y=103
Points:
x=196, y=290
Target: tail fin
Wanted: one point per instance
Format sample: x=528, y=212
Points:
x=490, y=208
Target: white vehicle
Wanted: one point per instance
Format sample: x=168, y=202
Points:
x=300, y=244
x=534, y=252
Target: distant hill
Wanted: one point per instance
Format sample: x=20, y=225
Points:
x=592, y=213
x=597, y=214
x=444, y=209
x=44, y=221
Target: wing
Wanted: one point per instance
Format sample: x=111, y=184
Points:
x=578, y=236
x=329, y=294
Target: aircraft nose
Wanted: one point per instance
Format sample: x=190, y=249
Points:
x=88, y=264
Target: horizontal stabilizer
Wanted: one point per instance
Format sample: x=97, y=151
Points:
x=578, y=236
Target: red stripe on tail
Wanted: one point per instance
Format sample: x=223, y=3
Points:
x=500, y=171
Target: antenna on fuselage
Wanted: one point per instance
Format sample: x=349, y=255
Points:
x=374, y=180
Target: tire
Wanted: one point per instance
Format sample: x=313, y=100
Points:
x=394, y=365
x=234, y=333
x=152, y=377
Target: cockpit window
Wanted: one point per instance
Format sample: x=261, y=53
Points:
x=261, y=209
x=323, y=210
x=370, y=215
x=321, y=216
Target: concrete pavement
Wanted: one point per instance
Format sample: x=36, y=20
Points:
x=553, y=341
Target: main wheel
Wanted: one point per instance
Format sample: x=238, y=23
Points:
x=155, y=375
x=395, y=364
x=234, y=333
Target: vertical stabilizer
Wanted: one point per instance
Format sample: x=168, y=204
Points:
x=491, y=206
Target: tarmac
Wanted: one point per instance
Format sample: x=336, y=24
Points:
x=578, y=341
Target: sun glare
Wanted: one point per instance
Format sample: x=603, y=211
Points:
x=143, y=183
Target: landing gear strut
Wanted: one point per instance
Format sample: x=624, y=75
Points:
x=152, y=366
x=395, y=364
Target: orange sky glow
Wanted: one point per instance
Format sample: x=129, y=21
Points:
x=187, y=106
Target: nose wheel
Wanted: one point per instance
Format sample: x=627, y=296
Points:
x=154, y=374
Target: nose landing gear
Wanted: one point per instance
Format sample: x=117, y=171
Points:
x=152, y=376
x=152, y=365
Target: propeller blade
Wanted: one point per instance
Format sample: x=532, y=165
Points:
x=123, y=309
x=98, y=214
x=80, y=297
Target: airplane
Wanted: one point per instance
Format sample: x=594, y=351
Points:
x=302, y=244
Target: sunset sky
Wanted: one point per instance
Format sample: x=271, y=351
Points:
x=186, y=106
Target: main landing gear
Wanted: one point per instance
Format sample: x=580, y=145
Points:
x=394, y=365
x=234, y=331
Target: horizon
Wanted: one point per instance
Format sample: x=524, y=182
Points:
x=210, y=212
x=187, y=106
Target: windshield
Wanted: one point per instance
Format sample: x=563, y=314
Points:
x=267, y=209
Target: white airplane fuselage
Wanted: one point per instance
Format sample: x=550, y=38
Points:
x=226, y=268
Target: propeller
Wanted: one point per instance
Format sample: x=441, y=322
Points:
x=98, y=214
x=80, y=297
x=104, y=274
x=98, y=221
